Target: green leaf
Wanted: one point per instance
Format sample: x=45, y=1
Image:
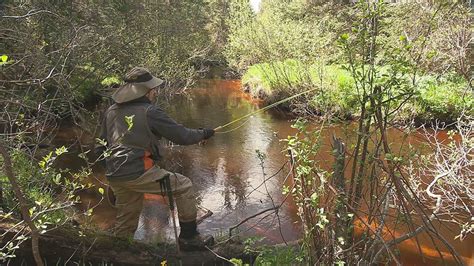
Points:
x=4, y=58
x=341, y=240
x=83, y=155
x=108, y=81
x=102, y=142
x=101, y=191
x=57, y=179
x=314, y=197
x=31, y=210
x=129, y=121
x=344, y=37
x=21, y=237
x=61, y=150
x=236, y=261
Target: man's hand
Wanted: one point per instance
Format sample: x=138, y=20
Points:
x=208, y=132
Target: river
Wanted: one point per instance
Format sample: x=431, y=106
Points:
x=228, y=174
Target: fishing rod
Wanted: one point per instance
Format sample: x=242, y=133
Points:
x=261, y=110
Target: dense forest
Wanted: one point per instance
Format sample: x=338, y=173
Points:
x=383, y=73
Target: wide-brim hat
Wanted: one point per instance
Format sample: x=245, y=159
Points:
x=139, y=81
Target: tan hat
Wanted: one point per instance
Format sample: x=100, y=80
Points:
x=139, y=81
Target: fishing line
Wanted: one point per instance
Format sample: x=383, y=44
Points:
x=260, y=110
x=235, y=128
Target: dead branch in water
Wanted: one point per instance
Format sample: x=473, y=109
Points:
x=252, y=216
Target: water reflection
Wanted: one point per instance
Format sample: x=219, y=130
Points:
x=226, y=171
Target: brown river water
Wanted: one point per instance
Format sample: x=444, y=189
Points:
x=227, y=173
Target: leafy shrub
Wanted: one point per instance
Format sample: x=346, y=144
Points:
x=272, y=255
x=443, y=99
x=49, y=191
x=283, y=30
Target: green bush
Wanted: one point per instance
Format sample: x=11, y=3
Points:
x=444, y=100
x=273, y=255
x=279, y=256
x=62, y=55
x=49, y=192
x=436, y=36
x=283, y=30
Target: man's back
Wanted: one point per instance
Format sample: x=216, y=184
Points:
x=129, y=140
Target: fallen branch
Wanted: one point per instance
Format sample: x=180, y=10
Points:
x=219, y=256
x=252, y=216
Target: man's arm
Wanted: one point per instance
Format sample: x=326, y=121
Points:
x=163, y=125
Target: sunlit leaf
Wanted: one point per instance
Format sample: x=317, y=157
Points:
x=129, y=121
x=61, y=150
x=101, y=141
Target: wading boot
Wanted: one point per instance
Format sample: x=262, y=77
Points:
x=190, y=239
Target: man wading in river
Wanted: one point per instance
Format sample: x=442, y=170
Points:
x=132, y=128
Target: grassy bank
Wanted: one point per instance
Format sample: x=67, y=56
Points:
x=442, y=98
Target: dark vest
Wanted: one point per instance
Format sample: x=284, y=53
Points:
x=132, y=147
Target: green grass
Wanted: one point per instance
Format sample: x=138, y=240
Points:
x=443, y=99
x=433, y=97
x=278, y=80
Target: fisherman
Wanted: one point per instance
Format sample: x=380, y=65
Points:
x=132, y=128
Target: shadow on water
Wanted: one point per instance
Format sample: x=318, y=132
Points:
x=227, y=173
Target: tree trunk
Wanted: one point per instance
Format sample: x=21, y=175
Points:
x=2, y=204
x=340, y=211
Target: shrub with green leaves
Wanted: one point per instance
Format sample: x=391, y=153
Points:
x=443, y=99
x=49, y=192
x=302, y=30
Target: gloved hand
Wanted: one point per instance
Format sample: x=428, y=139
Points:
x=208, y=132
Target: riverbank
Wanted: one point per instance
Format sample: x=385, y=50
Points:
x=426, y=98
